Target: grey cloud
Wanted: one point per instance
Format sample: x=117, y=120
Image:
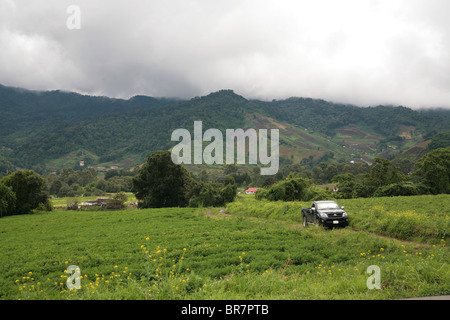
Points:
x=353, y=51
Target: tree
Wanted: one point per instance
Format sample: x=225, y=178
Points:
x=382, y=173
x=56, y=186
x=122, y=197
x=207, y=196
x=330, y=171
x=346, y=185
x=433, y=170
x=30, y=191
x=161, y=183
x=5, y=167
x=7, y=200
x=317, y=174
x=441, y=140
x=87, y=176
x=111, y=173
x=228, y=193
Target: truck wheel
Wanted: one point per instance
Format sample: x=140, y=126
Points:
x=304, y=222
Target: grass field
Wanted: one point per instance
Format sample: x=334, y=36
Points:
x=424, y=218
x=185, y=253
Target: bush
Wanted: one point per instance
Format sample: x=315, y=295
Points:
x=294, y=189
x=213, y=195
x=72, y=204
x=397, y=189
x=122, y=198
x=45, y=207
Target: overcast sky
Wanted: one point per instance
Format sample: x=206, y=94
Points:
x=352, y=51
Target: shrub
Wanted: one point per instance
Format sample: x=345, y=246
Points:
x=72, y=204
x=122, y=197
x=294, y=189
x=213, y=195
x=397, y=189
x=287, y=190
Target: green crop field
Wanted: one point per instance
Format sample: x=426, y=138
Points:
x=254, y=251
x=424, y=218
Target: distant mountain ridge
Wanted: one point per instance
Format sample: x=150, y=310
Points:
x=47, y=131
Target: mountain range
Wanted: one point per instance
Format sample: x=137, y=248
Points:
x=50, y=130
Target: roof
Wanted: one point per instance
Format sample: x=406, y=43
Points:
x=252, y=189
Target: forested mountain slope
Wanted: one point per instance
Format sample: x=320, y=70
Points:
x=46, y=131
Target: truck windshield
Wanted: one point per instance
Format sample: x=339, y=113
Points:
x=327, y=205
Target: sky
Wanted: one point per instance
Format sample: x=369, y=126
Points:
x=361, y=52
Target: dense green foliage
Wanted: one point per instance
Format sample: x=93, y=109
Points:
x=382, y=179
x=434, y=170
x=441, y=140
x=7, y=200
x=385, y=179
x=212, y=194
x=86, y=182
x=23, y=191
x=325, y=117
x=5, y=167
x=292, y=189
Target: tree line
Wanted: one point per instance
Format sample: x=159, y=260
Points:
x=384, y=179
x=38, y=128
x=76, y=183
x=161, y=183
x=431, y=176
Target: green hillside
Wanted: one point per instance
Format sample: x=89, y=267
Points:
x=47, y=131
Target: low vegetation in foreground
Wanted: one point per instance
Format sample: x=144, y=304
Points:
x=424, y=218
x=205, y=253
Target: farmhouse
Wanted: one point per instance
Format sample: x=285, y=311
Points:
x=108, y=203
x=251, y=190
x=90, y=203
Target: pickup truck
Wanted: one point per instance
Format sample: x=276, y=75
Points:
x=326, y=213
